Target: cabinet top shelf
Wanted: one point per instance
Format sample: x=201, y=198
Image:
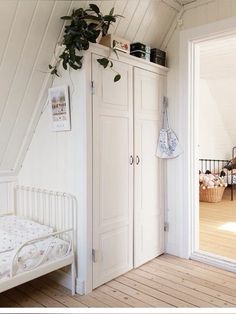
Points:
x=127, y=58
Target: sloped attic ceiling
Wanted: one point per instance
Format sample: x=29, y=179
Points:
x=218, y=69
x=29, y=31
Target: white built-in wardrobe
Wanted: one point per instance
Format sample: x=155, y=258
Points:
x=127, y=177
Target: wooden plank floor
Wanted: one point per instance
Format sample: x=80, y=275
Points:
x=164, y=282
x=218, y=226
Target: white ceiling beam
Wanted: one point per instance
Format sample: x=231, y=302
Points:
x=174, y=4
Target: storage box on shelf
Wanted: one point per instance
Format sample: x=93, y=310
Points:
x=116, y=43
x=158, y=56
x=140, y=50
x=143, y=51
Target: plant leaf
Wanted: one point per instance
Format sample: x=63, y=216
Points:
x=103, y=61
x=117, y=78
x=109, y=18
x=95, y=8
x=92, y=17
x=64, y=64
x=54, y=71
x=67, y=18
x=112, y=11
x=74, y=66
x=118, y=15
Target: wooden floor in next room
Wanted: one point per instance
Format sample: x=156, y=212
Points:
x=166, y=281
x=218, y=226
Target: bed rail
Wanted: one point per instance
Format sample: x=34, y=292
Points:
x=213, y=165
x=39, y=258
x=55, y=209
x=52, y=208
x=216, y=166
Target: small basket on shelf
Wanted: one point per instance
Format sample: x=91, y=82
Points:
x=211, y=195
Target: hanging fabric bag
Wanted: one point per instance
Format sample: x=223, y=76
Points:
x=168, y=144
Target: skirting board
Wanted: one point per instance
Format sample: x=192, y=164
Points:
x=214, y=260
x=64, y=279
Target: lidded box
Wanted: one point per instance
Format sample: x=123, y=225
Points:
x=141, y=54
x=140, y=50
x=140, y=47
x=158, y=56
x=116, y=43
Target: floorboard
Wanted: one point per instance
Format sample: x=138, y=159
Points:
x=166, y=281
x=218, y=226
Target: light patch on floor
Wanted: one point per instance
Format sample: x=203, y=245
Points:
x=217, y=228
x=229, y=226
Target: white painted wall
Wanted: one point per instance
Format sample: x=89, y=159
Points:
x=206, y=12
x=53, y=158
x=58, y=161
x=215, y=141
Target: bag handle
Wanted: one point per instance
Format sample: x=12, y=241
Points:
x=165, y=119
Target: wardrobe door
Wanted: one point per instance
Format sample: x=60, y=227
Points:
x=112, y=172
x=149, y=194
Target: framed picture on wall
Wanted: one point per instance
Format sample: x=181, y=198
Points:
x=59, y=101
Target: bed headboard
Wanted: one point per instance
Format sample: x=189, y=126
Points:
x=56, y=209
x=213, y=165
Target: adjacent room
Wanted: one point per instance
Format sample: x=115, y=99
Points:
x=99, y=193
x=217, y=141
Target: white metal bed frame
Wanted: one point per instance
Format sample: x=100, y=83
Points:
x=55, y=209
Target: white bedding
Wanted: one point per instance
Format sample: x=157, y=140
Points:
x=14, y=232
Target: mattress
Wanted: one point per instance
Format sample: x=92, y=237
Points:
x=14, y=232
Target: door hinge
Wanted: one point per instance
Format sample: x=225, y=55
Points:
x=96, y=255
x=92, y=88
x=166, y=227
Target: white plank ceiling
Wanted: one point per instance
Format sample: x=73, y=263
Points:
x=29, y=31
x=218, y=68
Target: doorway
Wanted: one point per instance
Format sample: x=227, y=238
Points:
x=190, y=45
x=216, y=144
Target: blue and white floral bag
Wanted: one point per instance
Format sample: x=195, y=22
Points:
x=168, y=144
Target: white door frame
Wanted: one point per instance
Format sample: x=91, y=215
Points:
x=188, y=98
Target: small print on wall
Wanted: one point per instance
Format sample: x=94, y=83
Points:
x=59, y=100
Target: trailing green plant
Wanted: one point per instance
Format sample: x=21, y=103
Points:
x=85, y=27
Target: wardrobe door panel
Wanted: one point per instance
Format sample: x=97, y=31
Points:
x=112, y=172
x=149, y=194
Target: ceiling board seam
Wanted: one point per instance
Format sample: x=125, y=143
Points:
x=29, y=80
x=172, y=29
x=118, y=11
x=192, y=5
x=168, y=3
x=164, y=34
x=36, y=116
x=196, y=3
x=173, y=22
x=131, y=19
x=62, y=30
x=147, y=23
x=179, y=2
x=117, y=25
x=18, y=63
x=10, y=33
x=151, y=19
x=136, y=33
x=33, y=69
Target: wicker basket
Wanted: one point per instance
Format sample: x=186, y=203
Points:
x=213, y=195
